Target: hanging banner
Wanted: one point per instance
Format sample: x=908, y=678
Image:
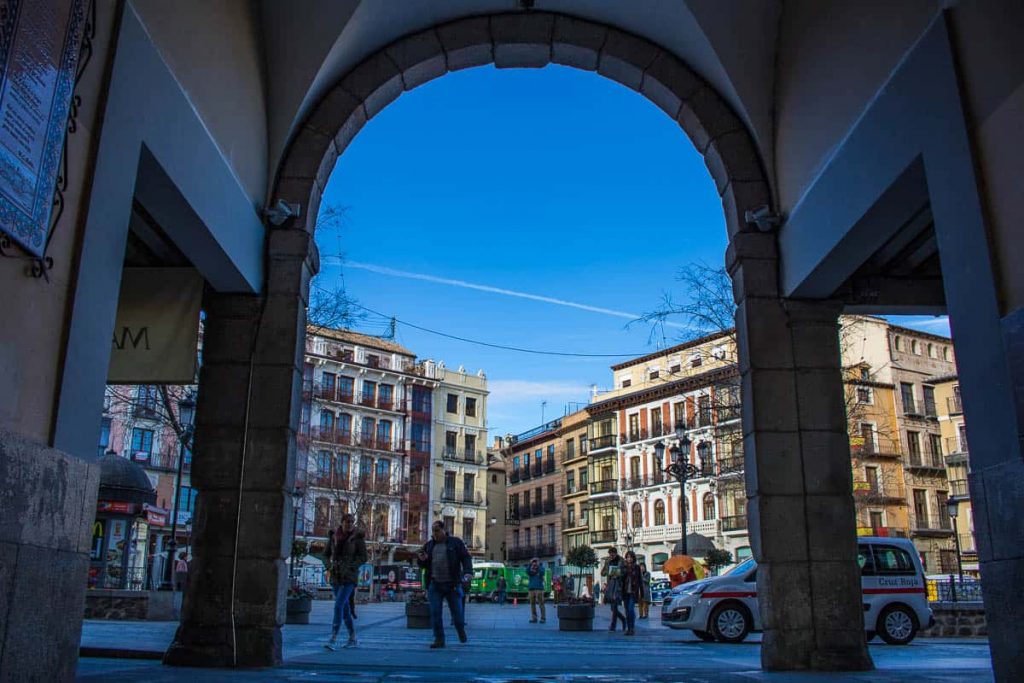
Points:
x=157, y=330
x=39, y=50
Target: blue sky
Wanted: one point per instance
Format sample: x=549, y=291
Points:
x=531, y=208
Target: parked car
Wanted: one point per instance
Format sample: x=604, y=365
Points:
x=660, y=589
x=724, y=608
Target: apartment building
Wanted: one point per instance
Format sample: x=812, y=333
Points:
x=356, y=417
x=459, y=473
x=575, y=482
x=534, y=494
x=955, y=453
x=497, y=510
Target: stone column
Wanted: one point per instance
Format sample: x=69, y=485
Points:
x=799, y=483
x=244, y=465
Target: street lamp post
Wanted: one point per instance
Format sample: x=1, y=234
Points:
x=186, y=409
x=953, y=506
x=296, y=506
x=680, y=469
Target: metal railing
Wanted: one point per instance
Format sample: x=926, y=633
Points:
x=462, y=455
x=734, y=523
x=954, y=405
x=604, y=486
x=550, y=506
x=954, y=589
x=603, y=536
x=133, y=579
x=468, y=497
x=606, y=441
x=731, y=464
x=549, y=465
x=538, y=469
x=537, y=508
x=958, y=488
x=513, y=476
x=956, y=445
x=729, y=412
x=524, y=472
x=926, y=458
x=638, y=482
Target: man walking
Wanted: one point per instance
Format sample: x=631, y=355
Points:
x=448, y=565
x=502, y=588
x=535, y=584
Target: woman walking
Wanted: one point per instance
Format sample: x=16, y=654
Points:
x=346, y=552
x=612, y=571
x=631, y=590
x=645, y=591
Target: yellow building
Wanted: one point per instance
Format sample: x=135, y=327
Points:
x=575, y=488
x=955, y=451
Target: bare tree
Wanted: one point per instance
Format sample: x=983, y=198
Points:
x=156, y=408
x=331, y=306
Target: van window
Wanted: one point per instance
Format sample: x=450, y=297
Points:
x=892, y=560
x=865, y=561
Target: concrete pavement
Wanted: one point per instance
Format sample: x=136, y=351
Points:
x=503, y=646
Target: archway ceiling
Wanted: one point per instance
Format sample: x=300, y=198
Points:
x=309, y=48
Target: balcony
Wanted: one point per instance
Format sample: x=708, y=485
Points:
x=524, y=472
x=956, y=450
x=958, y=488
x=145, y=411
x=877, y=493
x=330, y=435
x=734, y=523
x=605, y=486
x=732, y=465
x=528, y=552
x=729, y=412
x=473, y=542
x=873, y=449
x=524, y=512
x=538, y=469
x=633, y=436
x=513, y=476
x=549, y=465
x=550, y=506
x=606, y=441
x=954, y=405
x=464, y=497
x=463, y=456
x=883, y=531
x=639, y=482
x=702, y=418
x=942, y=526
x=925, y=460
x=603, y=536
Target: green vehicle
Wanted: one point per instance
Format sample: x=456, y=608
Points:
x=484, y=586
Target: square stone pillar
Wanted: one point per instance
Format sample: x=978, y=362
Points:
x=799, y=483
x=244, y=465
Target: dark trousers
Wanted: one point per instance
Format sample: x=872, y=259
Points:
x=617, y=616
x=628, y=604
x=437, y=595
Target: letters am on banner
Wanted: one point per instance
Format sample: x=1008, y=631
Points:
x=156, y=334
x=40, y=43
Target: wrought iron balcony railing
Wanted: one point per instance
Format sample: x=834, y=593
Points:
x=734, y=523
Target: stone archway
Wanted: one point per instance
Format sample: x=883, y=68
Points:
x=798, y=479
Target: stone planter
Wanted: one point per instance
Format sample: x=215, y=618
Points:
x=417, y=615
x=297, y=610
x=576, y=617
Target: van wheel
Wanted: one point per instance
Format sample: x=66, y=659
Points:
x=730, y=623
x=897, y=625
x=705, y=636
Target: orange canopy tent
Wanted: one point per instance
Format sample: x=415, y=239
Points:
x=683, y=569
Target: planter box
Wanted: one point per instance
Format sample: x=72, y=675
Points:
x=297, y=610
x=417, y=615
x=576, y=617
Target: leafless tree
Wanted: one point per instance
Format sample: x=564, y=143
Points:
x=330, y=305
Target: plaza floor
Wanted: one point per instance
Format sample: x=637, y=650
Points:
x=502, y=647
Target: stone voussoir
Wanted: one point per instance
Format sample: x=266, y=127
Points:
x=732, y=157
x=577, y=43
x=466, y=43
x=420, y=58
x=624, y=58
x=668, y=83
x=522, y=40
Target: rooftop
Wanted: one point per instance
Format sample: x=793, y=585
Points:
x=360, y=339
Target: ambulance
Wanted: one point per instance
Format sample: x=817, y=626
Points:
x=724, y=608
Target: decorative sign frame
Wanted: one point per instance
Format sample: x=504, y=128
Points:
x=40, y=46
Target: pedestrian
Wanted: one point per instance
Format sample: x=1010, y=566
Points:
x=180, y=571
x=556, y=586
x=346, y=552
x=597, y=592
x=612, y=571
x=448, y=565
x=645, y=591
x=535, y=585
x=502, y=589
x=631, y=579
x=569, y=586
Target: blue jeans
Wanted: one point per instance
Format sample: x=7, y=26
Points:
x=437, y=593
x=343, y=596
x=628, y=604
x=501, y=597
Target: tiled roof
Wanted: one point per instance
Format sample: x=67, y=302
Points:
x=360, y=339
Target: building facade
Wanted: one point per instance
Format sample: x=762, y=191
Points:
x=955, y=453
x=497, y=501
x=534, y=495
x=459, y=466
x=575, y=481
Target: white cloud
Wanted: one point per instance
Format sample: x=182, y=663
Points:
x=383, y=270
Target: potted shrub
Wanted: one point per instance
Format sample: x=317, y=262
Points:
x=577, y=613
x=417, y=610
x=298, y=605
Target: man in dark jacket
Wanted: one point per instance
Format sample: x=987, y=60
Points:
x=448, y=566
x=345, y=553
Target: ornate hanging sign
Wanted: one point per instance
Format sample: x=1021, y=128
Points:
x=39, y=52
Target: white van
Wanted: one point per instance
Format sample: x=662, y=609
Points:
x=725, y=608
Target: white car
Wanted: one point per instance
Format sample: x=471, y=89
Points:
x=725, y=608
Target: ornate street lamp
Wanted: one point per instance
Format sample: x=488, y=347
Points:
x=953, y=507
x=680, y=469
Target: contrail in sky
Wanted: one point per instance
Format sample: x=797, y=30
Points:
x=383, y=270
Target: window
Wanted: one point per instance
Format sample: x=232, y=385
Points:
x=341, y=467
x=449, y=524
x=187, y=500
x=637, y=516
x=369, y=391
x=898, y=343
x=515, y=539
x=865, y=374
x=718, y=353
x=658, y=560
x=583, y=478
x=584, y=514
x=470, y=407
x=907, y=395
x=945, y=353
x=528, y=536
x=373, y=360
x=583, y=445
x=365, y=469
x=468, y=487
x=626, y=383
x=889, y=559
x=366, y=430
x=384, y=433
x=453, y=404
x=655, y=421
x=147, y=396
x=914, y=447
x=935, y=448
x=679, y=412
x=570, y=482
x=921, y=508
x=420, y=434
x=915, y=348
x=570, y=515
x=929, y=401
x=467, y=531
x=344, y=425
x=865, y=395
x=871, y=475
x=695, y=360
x=469, y=441
x=931, y=350
x=570, y=449
x=346, y=388
x=449, y=484
x=942, y=498
x=386, y=396
x=142, y=443
x=382, y=472
x=709, y=506
x=634, y=427
x=104, y=435
x=323, y=463
x=421, y=400
x=653, y=375
x=676, y=369
x=551, y=534
x=659, y=513
x=327, y=381
x=494, y=478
